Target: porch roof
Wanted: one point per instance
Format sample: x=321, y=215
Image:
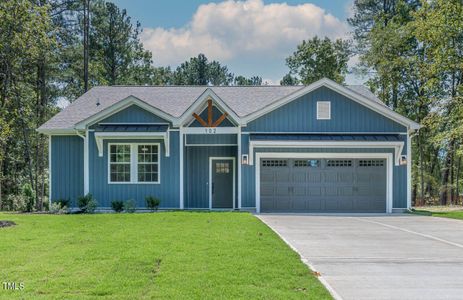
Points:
x=132, y=128
x=327, y=137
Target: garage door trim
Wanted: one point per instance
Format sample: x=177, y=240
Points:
x=387, y=156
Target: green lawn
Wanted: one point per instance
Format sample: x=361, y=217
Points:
x=454, y=214
x=176, y=255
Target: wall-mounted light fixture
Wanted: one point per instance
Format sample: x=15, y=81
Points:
x=403, y=160
x=244, y=159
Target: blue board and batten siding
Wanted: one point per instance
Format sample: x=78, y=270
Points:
x=67, y=168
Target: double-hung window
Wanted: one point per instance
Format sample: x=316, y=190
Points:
x=134, y=163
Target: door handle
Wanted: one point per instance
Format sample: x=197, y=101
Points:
x=213, y=188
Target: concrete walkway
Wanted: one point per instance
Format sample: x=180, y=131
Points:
x=379, y=257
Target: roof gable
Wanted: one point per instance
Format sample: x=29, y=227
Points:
x=355, y=96
x=300, y=115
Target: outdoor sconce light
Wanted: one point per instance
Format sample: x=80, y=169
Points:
x=403, y=160
x=244, y=159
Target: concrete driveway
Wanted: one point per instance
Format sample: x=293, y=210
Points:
x=379, y=257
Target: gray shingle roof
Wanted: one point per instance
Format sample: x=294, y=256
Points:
x=174, y=100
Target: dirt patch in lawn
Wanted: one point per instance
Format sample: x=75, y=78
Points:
x=6, y=223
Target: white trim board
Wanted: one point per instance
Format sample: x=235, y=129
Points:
x=387, y=156
x=397, y=146
x=212, y=158
x=210, y=130
x=181, y=182
x=49, y=171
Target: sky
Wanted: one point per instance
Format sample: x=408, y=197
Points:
x=251, y=37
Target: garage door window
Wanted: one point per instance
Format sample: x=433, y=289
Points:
x=274, y=163
x=371, y=163
x=311, y=163
x=339, y=163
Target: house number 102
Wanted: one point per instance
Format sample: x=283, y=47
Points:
x=210, y=130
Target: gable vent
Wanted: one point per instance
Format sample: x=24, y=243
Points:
x=323, y=110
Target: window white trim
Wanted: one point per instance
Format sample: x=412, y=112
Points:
x=211, y=159
x=101, y=136
x=319, y=112
x=134, y=163
x=387, y=156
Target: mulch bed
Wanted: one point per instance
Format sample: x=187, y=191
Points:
x=6, y=223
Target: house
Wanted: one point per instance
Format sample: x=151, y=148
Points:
x=317, y=148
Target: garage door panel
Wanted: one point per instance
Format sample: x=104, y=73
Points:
x=283, y=176
x=331, y=177
x=324, y=185
x=346, y=204
x=346, y=177
x=331, y=191
x=267, y=177
x=346, y=191
x=331, y=204
x=314, y=204
x=299, y=191
x=314, y=191
x=284, y=204
x=282, y=190
x=315, y=177
x=299, y=177
x=267, y=190
x=299, y=203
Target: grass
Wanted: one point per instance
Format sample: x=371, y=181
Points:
x=169, y=255
x=443, y=212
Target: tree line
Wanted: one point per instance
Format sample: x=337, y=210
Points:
x=409, y=51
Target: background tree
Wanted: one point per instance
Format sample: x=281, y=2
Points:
x=241, y=80
x=318, y=58
x=409, y=49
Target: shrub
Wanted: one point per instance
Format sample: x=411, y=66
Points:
x=14, y=203
x=46, y=205
x=87, y=203
x=29, y=196
x=152, y=202
x=63, y=202
x=130, y=206
x=117, y=206
x=58, y=208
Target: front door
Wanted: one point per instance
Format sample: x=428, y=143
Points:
x=222, y=179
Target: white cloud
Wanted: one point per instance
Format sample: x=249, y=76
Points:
x=235, y=29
